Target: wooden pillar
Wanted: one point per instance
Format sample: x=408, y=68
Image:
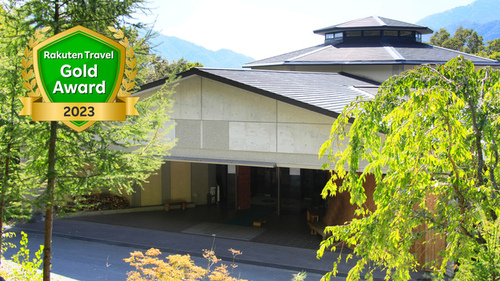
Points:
x=243, y=187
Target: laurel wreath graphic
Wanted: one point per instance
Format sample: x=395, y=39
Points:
x=128, y=81
x=29, y=80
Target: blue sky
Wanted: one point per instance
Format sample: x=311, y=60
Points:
x=263, y=28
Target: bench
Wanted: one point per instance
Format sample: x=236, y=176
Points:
x=175, y=202
x=318, y=227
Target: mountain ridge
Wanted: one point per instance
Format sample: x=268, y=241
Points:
x=480, y=15
x=173, y=48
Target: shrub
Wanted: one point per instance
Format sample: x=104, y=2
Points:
x=177, y=267
x=25, y=269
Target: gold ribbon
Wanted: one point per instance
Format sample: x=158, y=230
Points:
x=78, y=111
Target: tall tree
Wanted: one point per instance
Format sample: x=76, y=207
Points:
x=492, y=49
x=156, y=67
x=13, y=128
x=470, y=41
x=430, y=138
x=439, y=37
x=111, y=155
x=464, y=40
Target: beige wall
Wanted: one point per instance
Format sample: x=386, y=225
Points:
x=218, y=121
x=176, y=180
x=180, y=181
x=152, y=192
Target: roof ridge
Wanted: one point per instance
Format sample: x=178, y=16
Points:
x=309, y=53
x=392, y=51
x=267, y=70
x=379, y=20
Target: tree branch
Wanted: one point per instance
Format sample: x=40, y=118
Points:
x=477, y=133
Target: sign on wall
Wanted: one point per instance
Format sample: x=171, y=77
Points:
x=79, y=76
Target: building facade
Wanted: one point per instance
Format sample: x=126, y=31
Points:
x=248, y=138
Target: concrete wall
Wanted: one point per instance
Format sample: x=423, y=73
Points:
x=228, y=125
x=225, y=123
x=218, y=121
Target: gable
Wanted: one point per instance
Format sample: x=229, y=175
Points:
x=219, y=121
x=278, y=118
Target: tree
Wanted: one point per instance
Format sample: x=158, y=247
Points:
x=464, y=40
x=430, y=138
x=13, y=128
x=439, y=37
x=157, y=67
x=471, y=42
x=493, y=49
x=110, y=155
x=454, y=44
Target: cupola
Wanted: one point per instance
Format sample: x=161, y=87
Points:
x=373, y=28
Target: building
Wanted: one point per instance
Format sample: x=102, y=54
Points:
x=249, y=138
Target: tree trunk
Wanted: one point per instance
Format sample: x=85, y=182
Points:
x=2, y=203
x=4, y=191
x=51, y=180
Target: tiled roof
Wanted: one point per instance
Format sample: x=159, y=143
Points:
x=375, y=52
x=373, y=22
x=325, y=93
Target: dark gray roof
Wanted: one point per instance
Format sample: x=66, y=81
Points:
x=373, y=52
x=325, y=93
x=374, y=22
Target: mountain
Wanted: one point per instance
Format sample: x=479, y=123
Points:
x=172, y=48
x=480, y=15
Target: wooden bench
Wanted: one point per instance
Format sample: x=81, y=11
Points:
x=175, y=202
x=318, y=227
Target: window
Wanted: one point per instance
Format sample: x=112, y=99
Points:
x=391, y=33
x=334, y=35
x=418, y=37
x=353, y=34
x=406, y=34
x=371, y=33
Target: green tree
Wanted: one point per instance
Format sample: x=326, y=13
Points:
x=430, y=138
x=13, y=128
x=492, y=49
x=493, y=46
x=464, y=40
x=109, y=155
x=454, y=44
x=156, y=68
x=470, y=41
x=439, y=37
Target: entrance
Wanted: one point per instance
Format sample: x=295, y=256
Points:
x=264, y=189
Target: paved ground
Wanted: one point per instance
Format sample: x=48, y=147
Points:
x=266, y=255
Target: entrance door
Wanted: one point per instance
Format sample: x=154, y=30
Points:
x=264, y=189
x=243, y=187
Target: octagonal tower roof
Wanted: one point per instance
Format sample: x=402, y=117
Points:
x=373, y=23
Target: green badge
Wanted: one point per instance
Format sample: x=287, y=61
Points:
x=79, y=73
